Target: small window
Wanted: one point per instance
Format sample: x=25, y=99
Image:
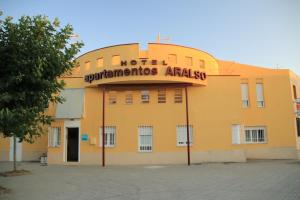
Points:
x=178, y=96
x=260, y=95
x=116, y=60
x=181, y=132
x=161, y=96
x=298, y=126
x=87, y=65
x=110, y=136
x=100, y=62
x=145, y=96
x=172, y=58
x=294, y=91
x=112, y=97
x=128, y=98
x=245, y=95
x=255, y=135
x=201, y=63
x=188, y=61
x=145, y=138
x=54, y=137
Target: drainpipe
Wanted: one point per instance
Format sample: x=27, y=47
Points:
x=187, y=126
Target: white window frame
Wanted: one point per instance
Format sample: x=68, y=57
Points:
x=145, y=96
x=143, y=133
x=54, y=137
x=245, y=95
x=110, y=135
x=253, y=132
x=181, y=135
x=260, y=102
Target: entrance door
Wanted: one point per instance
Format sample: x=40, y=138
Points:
x=18, y=150
x=72, y=144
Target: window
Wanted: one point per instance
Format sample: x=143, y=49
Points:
x=116, y=60
x=259, y=95
x=245, y=97
x=87, y=65
x=202, y=64
x=235, y=134
x=294, y=91
x=145, y=97
x=54, y=137
x=112, y=97
x=178, y=96
x=145, y=138
x=128, y=98
x=172, y=58
x=161, y=96
x=298, y=126
x=110, y=136
x=255, y=135
x=188, y=61
x=100, y=62
x=181, y=131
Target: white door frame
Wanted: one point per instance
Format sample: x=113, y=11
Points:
x=71, y=124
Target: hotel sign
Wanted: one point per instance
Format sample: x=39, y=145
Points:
x=144, y=67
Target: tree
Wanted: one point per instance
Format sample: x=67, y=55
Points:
x=34, y=53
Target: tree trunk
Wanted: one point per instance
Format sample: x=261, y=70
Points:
x=15, y=153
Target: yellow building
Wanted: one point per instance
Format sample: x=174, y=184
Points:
x=148, y=100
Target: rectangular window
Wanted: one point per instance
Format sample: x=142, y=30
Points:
x=255, y=135
x=294, y=91
x=87, y=65
x=110, y=136
x=260, y=95
x=188, y=61
x=145, y=96
x=128, y=98
x=112, y=97
x=161, y=96
x=298, y=126
x=181, y=131
x=54, y=137
x=202, y=64
x=145, y=138
x=116, y=60
x=178, y=96
x=245, y=96
x=236, y=134
x=100, y=62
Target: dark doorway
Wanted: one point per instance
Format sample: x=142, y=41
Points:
x=72, y=149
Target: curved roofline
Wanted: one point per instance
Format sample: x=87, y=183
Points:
x=184, y=47
x=106, y=47
x=148, y=44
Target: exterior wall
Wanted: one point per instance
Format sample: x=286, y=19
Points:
x=30, y=152
x=214, y=106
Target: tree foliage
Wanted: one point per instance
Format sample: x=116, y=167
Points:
x=34, y=53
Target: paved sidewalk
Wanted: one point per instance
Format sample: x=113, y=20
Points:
x=261, y=180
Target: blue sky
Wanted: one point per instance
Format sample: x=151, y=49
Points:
x=258, y=32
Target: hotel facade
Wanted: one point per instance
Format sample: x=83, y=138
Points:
x=169, y=104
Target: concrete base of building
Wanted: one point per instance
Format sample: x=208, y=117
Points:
x=272, y=153
x=298, y=155
x=26, y=155
x=153, y=158
x=4, y=155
